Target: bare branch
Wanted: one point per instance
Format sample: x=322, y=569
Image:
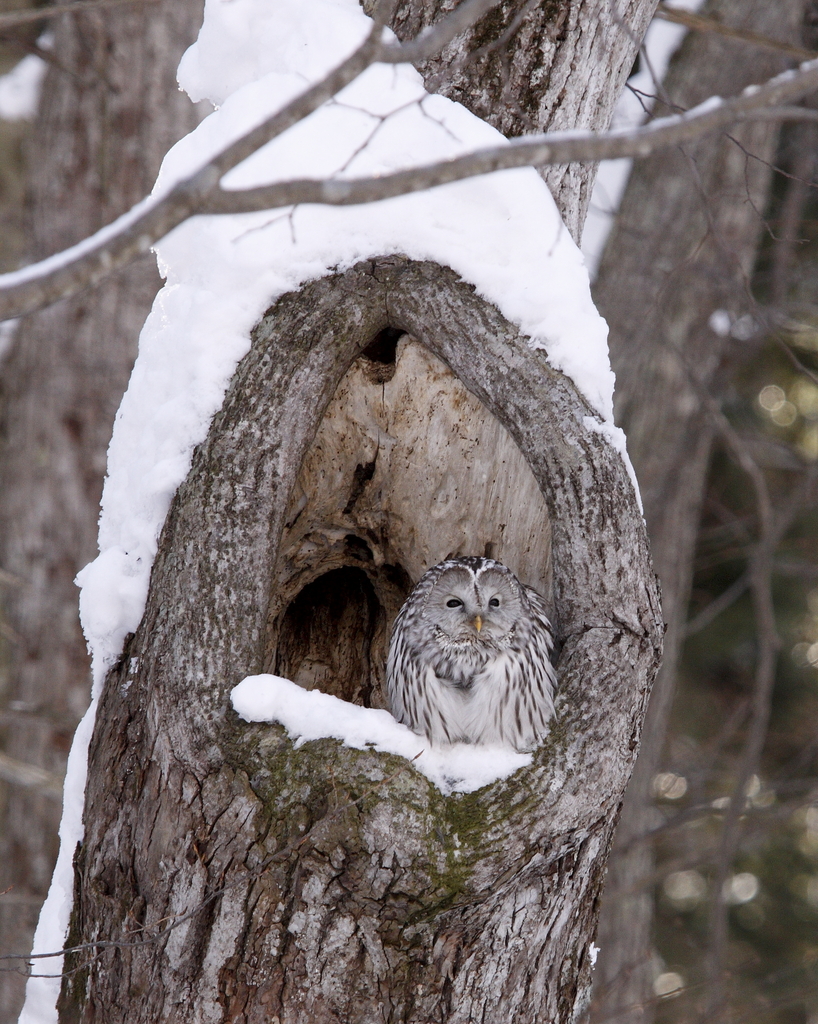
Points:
x=720, y=604
x=768, y=643
x=699, y=23
x=787, y=114
x=553, y=148
x=134, y=234
x=759, y=572
x=13, y=18
x=796, y=196
x=370, y=52
x=21, y=774
x=434, y=38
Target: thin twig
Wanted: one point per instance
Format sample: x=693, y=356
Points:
x=699, y=23
x=552, y=148
x=771, y=531
x=792, y=210
x=720, y=604
x=30, y=776
x=13, y=18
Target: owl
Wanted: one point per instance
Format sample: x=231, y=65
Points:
x=470, y=657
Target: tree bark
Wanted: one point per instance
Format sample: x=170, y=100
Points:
x=108, y=114
x=683, y=246
x=403, y=904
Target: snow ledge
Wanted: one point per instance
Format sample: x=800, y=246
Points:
x=312, y=715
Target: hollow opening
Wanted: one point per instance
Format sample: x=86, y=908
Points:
x=380, y=355
x=398, y=476
x=327, y=636
x=383, y=347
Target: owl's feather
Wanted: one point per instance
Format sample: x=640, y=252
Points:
x=453, y=679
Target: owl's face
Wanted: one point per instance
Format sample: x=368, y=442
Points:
x=475, y=608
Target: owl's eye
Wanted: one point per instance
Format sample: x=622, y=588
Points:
x=453, y=602
x=494, y=602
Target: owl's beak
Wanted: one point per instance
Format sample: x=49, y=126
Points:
x=478, y=623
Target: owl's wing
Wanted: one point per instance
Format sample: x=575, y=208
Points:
x=404, y=677
x=514, y=698
x=417, y=697
x=536, y=662
x=541, y=620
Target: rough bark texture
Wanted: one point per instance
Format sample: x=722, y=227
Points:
x=683, y=246
x=408, y=906
x=106, y=121
x=534, y=67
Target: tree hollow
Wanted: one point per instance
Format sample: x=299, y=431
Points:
x=407, y=468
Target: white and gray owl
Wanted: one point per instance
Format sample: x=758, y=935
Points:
x=470, y=657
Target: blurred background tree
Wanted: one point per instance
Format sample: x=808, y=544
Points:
x=767, y=884
x=705, y=282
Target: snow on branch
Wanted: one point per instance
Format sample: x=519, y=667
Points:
x=537, y=150
x=134, y=233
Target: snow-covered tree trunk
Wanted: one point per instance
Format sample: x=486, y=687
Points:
x=108, y=113
x=683, y=247
x=169, y=771
x=320, y=882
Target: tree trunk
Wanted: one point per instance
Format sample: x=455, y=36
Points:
x=562, y=65
x=107, y=116
x=405, y=904
x=683, y=246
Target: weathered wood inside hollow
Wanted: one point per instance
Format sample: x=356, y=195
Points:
x=404, y=904
x=407, y=468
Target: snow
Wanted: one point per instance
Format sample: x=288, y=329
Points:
x=661, y=41
x=501, y=232
x=311, y=715
x=42, y=993
x=720, y=322
x=20, y=89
